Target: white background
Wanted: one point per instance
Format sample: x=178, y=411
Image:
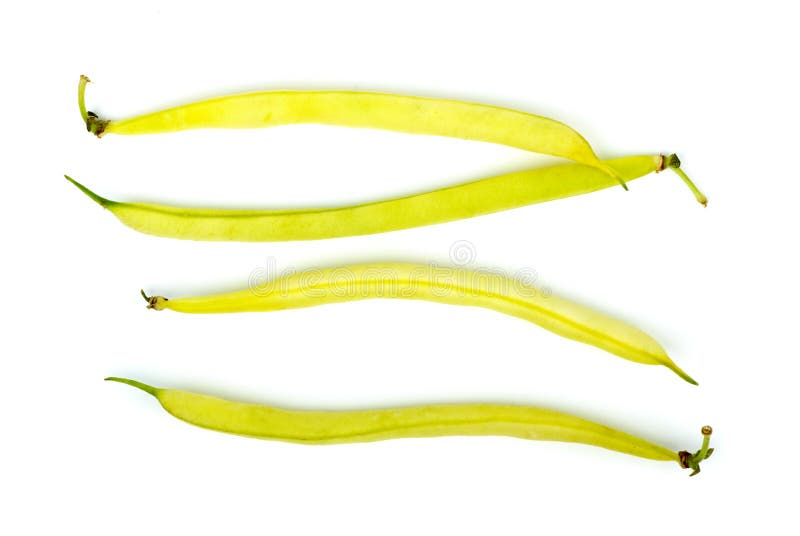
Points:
x=717, y=286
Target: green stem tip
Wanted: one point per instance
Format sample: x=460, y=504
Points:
x=673, y=162
x=102, y=201
x=82, y=98
x=94, y=124
x=692, y=461
x=614, y=173
x=680, y=372
x=139, y=385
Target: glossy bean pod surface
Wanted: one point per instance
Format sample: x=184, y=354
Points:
x=332, y=427
x=467, y=200
x=399, y=113
x=453, y=286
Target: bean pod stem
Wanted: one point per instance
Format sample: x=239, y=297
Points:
x=692, y=461
x=673, y=162
x=333, y=427
x=94, y=124
x=451, y=286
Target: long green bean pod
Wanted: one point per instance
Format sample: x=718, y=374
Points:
x=331, y=427
x=400, y=113
x=484, y=289
x=467, y=200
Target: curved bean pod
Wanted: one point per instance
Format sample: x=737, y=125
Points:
x=443, y=285
x=400, y=113
x=438, y=206
x=332, y=427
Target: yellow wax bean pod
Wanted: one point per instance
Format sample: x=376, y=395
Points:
x=400, y=113
x=438, y=206
x=437, y=284
x=332, y=427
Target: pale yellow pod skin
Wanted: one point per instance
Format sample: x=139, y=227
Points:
x=399, y=113
x=436, y=284
x=333, y=427
x=467, y=200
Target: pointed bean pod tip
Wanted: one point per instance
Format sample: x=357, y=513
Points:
x=616, y=174
x=680, y=372
x=102, y=201
x=139, y=385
